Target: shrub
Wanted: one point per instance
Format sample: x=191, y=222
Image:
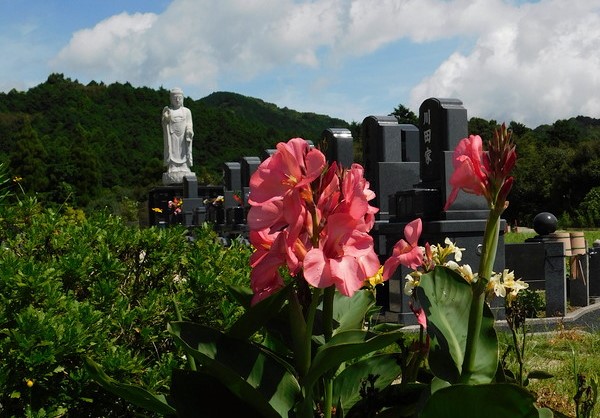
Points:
x=72, y=286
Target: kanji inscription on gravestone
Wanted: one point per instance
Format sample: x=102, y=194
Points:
x=443, y=124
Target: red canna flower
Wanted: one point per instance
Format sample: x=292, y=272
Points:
x=484, y=173
x=469, y=174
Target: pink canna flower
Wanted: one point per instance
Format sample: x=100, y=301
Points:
x=357, y=196
x=499, y=161
x=469, y=174
x=345, y=256
x=406, y=253
x=293, y=167
x=312, y=218
x=484, y=173
x=269, y=256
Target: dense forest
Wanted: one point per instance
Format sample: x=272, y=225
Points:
x=94, y=146
x=90, y=145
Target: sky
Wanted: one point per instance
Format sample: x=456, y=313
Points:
x=532, y=62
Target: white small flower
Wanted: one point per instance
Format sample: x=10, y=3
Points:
x=457, y=251
x=452, y=265
x=508, y=279
x=410, y=284
x=496, y=284
x=467, y=273
x=434, y=250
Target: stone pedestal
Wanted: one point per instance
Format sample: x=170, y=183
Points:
x=465, y=234
x=174, y=177
x=555, y=277
x=579, y=290
x=594, y=272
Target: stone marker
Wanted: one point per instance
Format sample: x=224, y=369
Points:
x=338, y=145
x=390, y=158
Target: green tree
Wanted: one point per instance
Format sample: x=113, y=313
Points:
x=564, y=131
x=405, y=115
x=27, y=156
x=484, y=128
x=590, y=208
x=518, y=129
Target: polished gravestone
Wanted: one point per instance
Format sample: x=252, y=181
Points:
x=443, y=123
x=390, y=158
x=338, y=146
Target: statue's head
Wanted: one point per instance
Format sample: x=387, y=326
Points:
x=176, y=97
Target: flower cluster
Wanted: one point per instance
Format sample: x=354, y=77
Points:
x=175, y=205
x=500, y=283
x=423, y=259
x=217, y=201
x=312, y=218
x=484, y=173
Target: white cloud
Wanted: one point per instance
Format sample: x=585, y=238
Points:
x=535, y=65
x=374, y=24
x=530, y=62
x=200, y=41
x=114, y=47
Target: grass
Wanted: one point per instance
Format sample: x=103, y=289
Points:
x=517, y=237
x=564, y=354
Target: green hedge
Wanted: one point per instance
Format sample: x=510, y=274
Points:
x=72, y=286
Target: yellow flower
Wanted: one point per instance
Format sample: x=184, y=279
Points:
x=377, y=278
x=17, y=179
x=29, y=383
x=500, y=283
x=157, y=210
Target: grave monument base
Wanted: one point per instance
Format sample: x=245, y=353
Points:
x=175, y=177
x=467, y=234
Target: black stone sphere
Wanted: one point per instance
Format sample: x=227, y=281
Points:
x=544, y=223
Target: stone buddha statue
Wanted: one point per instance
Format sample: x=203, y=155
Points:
x=177, y=134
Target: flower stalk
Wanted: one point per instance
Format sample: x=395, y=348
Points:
x=491, y=170
x=488, y=257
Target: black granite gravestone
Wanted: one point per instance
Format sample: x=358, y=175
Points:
x=443, y=125
x=232, y=178
x=248, y=165
x=338, y=145
x=409, y=135
x=390, y=155
x=267, y=153
x=191, y=201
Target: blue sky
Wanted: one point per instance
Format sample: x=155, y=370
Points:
x=529, y=61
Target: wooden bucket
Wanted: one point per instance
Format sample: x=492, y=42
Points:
x=578, y=244
x=565, y=238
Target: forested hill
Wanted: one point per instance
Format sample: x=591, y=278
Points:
x=92, y=143
x=229, y=125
